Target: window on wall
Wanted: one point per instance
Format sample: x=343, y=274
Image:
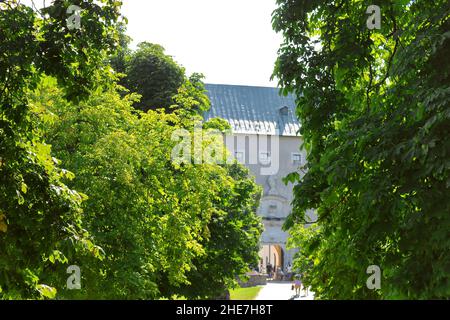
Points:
x=264, y=157
x=240, y=156
x=296, y=158
x=272, y=209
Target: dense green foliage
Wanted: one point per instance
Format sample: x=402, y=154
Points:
x=233, y=242
x=40, y=218
x=140, y=226
x=165, y=229
x=149, y=72
x=374, y=108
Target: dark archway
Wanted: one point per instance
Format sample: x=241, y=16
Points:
x=273, y=255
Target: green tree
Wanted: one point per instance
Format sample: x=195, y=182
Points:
x=233, y=242
x=152, y=74
x=40, y=217
x=118, y=58
x=374, y=108
x=157, y=221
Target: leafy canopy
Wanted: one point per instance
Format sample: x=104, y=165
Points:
x=165, y=229
x=151, y=73
x=40, y=217
x=374, y=108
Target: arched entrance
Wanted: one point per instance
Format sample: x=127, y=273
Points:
x=271, y=258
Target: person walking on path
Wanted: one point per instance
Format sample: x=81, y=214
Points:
x=297, y=285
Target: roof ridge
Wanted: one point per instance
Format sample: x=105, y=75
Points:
x=240, y=85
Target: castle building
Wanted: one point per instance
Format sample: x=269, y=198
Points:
x=265, y=138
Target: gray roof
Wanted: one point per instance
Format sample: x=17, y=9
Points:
x=253, y=110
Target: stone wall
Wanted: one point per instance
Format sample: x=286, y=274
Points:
x=253, y=281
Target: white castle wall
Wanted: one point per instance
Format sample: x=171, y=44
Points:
x=276, y=201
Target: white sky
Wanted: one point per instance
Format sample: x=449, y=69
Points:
x=229, y=41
